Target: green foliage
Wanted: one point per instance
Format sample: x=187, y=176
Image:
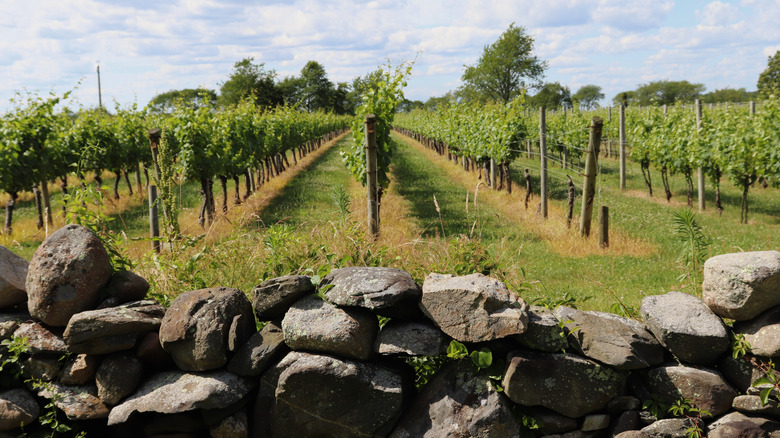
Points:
x=739, y=346
x=694, y=245
x=656, y=407
x=588, y=97
x=250, y=80
x=505, y=69
x=552, y=95
x=167, y=184
x=166, y=102
x=341, y=199
x=769, y=79
x=667, y=92
x=685, y=408
x=425, y=367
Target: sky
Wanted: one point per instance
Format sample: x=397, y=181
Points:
x=145, y=47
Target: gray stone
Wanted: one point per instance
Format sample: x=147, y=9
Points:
x=112, y=329
x=66, y=274
x=202, y=328
x=706, y=389
x=126, y=286
x=631, y=434
x=117, y=377
x=741, y=286
x=77, y=402
x=41, y=340
x=13, y=274
x=458, y=399
x=551, y=422
x=626, y=421
x=256, y=354
x=177, y=391
x=762, y=333
x=79, y=370
x=473, y=308
x=411, y=339
x=565, y=383
x=17, y=407
x=385, y=291
x=44, y=368
x=273, y=297
x=741, y=372
x=751, y=405
x=319, y=395
x=315, y=325
x=668, y=428
x=595, y=422
x=611, y=339
x=233, y=426
x=731, y=424
x=686, y=327
x=623, y=403
x=543, y=332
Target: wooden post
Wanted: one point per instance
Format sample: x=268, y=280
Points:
x=154, y=221
x=154, y=142
x=591, y=170
x=752, y=108
x=603, y=226
x=700, y=171
x=543, y=153
x=371, y=176
x=622, y=146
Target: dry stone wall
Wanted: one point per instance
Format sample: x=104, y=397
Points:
x=322, y=366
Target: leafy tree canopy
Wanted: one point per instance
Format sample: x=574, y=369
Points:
x=769, y=79
x=505, y=69
x=627, y=97
x=195, y=97
x=667, y=92
x=250, y=79
x=729, y=95
x=588, y=97
x=552, y=95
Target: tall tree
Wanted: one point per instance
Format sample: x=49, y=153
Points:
x=625, y=97
x=505, y=68
x=552, y=95
x=317, y=88
x=728, y=95
x=248, y=79
x=588, y=97
x=769, y=79
x=165, y=102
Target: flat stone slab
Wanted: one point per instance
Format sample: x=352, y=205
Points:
x=41, y=340
x=112, y=329
x=473, y=308
x=742, y=285
x=411, y=339
x=173, y=392
x=385, y=291
x=274, y=296
x=77, y=402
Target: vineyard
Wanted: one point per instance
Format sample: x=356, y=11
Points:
x=435, y=162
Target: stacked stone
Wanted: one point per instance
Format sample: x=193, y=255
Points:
x=323, y=366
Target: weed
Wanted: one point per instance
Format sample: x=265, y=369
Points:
x=693, y=245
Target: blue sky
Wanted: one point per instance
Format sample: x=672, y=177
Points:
x=148, y=46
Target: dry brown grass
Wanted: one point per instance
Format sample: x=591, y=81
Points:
x=553, y=231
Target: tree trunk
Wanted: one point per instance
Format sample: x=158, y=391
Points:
x=127, y=180
x=665, y=180
x=646, y=175
x=223, y=182
x=527, y=188
x=716, y=181
x=146, y=174
x=572, y=194
x=116, y=183
x=204, y=195
x=211, y=211
x=98, y=179
x=138, y=185
x=9, y=212
x=508, y=178
x=689, y=183
x=64, y=189
x=237, y=182
x=38, y=206
x=249, y=183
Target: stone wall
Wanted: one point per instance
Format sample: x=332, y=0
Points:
x=323, y=366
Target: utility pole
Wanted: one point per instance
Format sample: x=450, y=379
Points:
x=100, y=96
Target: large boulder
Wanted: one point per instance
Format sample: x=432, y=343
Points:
x=66, y=274
x=611, y=339
x=257, y=354
x=686, y=327
x=458, y=399
x=316, y=395
x=202, y=328
x=112, y=329
x=733, y=424
x=741, y=286
x=385, y=291
x=13, y=274
x=706, y=389
x=315, y=325
x=17, y=407
x=473, y=308
x=274, y=296
x=411, y=339
x=567, y=384
x=173, y=392
x=762, y=333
